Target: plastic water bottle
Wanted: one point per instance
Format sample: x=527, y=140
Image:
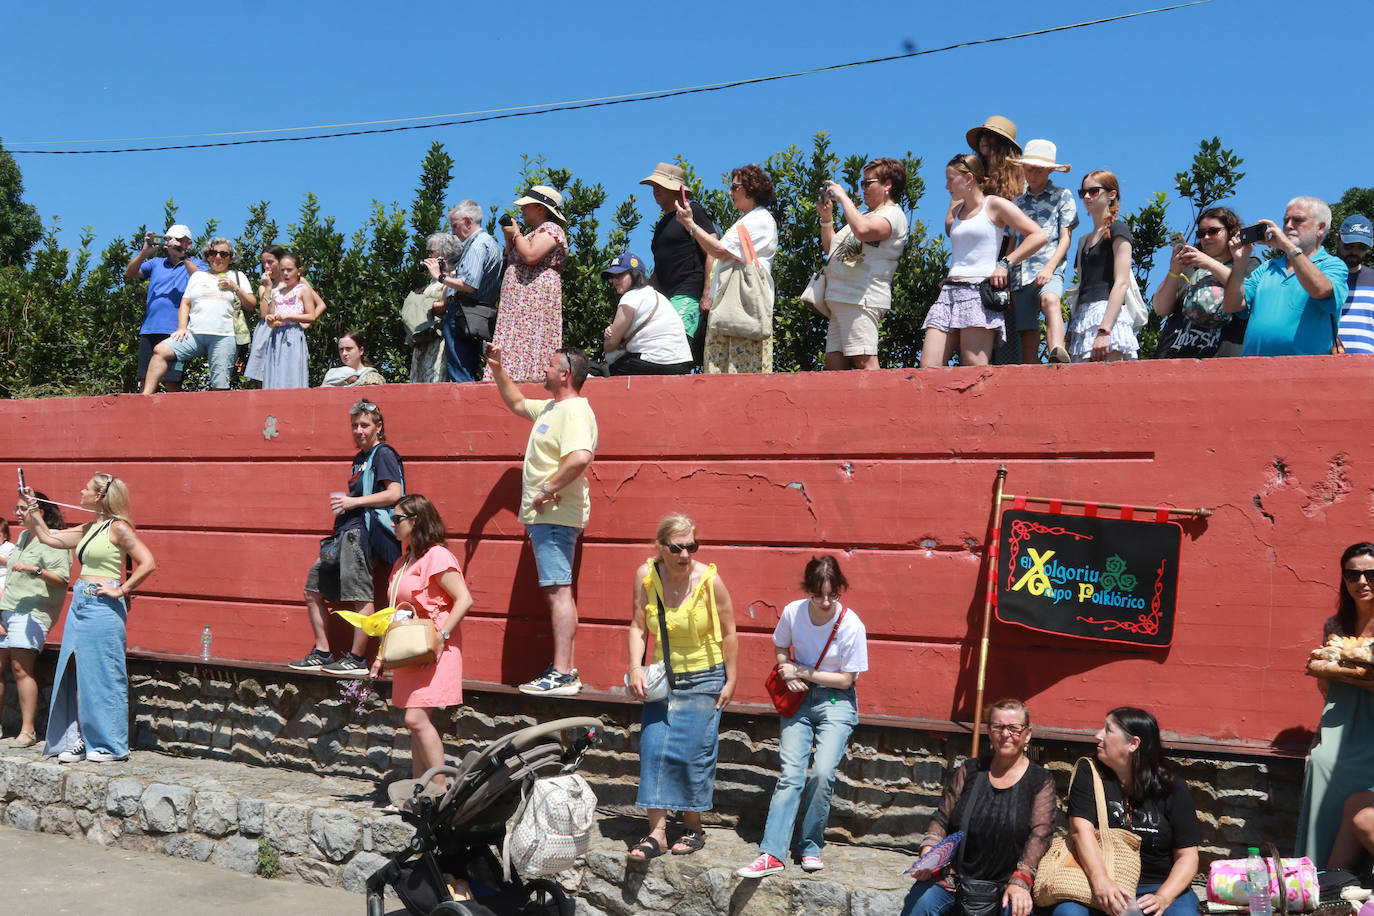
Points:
x=1257, y=884
x=205, y=639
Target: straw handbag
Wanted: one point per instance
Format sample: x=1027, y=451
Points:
x=1060, y=876
x=409, y=643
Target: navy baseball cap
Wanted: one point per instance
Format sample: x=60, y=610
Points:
x=1357, y=230
x=626, y=261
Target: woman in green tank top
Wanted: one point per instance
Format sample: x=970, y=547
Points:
x=92, y=722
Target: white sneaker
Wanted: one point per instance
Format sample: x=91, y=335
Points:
x=107, y=757
x=74, y=754
x=812, y=863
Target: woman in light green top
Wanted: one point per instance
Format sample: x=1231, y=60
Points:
x=89, y=714
x=35, y=584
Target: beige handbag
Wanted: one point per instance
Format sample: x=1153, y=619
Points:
x=1061, y=877
x=744, y=304
x=410, y=643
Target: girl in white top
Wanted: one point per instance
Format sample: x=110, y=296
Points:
x=975, y=224
x=647, y=332
x=751, y=190
x=824, y=667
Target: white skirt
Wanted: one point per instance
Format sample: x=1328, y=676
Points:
x=1083, y=325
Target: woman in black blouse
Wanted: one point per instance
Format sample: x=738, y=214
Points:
x=1004, y=805
x=1150, y=801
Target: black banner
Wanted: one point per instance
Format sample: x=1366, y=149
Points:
x=1090, y=578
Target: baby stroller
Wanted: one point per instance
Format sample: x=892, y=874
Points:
x=459, y=833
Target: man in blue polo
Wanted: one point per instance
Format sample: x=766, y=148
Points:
x=1357, y=319
x=167, y=278
x=1293, y=301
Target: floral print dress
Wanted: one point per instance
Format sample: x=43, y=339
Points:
x=529, y=323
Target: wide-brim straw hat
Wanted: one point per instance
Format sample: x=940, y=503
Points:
x=666, y=175
x=546, y=197
x=1041, y=153
x=1003, y=127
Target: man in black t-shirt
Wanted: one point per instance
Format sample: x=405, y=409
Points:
x=681, y=269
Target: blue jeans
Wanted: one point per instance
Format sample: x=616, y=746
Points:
x=1184, y=905
x=828, y=716
x=220, y=349
x=929, y=898
x=462, y=354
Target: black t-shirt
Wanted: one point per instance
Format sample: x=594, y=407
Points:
x=679, y=262
x=385, y=467
x=1096, y=264
x=1181, y=339
x=1163, y=824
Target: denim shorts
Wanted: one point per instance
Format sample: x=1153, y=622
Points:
x=554, y=546
x=678, y=741
x=219, y=348
x=23, y=631
x=352, y=580
x=146, y=343
x=1026, y=302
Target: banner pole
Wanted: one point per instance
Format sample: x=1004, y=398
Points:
x=1144, y=510
x=987, y=603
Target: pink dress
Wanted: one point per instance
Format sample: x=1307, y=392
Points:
x=529, y=322
x=417, y=584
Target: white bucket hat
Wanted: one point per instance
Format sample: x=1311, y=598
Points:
x=1041, y=153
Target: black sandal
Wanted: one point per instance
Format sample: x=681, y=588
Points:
x=694, y=840
x=647, y=848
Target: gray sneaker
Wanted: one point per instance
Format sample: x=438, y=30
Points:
x=553, y=683
x=312, y=662
x=347, y=665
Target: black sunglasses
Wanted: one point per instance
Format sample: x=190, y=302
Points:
x=214, y=253
x=1354, y=575
x=397, y=519
x=679, y=548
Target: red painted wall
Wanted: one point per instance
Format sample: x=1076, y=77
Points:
x=892, y=470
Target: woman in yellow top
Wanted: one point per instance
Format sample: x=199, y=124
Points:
x=679, y=734
x=89, y=715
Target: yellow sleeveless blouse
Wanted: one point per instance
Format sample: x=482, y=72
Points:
x=694, y=640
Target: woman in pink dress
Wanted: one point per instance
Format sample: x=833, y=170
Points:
x=529, y=322
x=428, y=579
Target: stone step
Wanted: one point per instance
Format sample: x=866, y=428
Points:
x=330, y=830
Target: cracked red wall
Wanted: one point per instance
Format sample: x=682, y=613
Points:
x=892, y=470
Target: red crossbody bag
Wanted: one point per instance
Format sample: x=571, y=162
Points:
x=785, y=701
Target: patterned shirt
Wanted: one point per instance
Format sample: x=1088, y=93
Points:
x=1053, y=210
x=1357, y=321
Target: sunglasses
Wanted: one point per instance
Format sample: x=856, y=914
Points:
x=397, y=519
x=679, y=548
x=1085, y=193
x=1208, y=233
x=1013, y=730
x=365, y=405
x=218, y=254
x=1354, y=575
x=867, y=181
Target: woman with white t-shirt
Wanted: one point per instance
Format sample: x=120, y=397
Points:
x=751, y=190
x=647, y=333
x=821, y=647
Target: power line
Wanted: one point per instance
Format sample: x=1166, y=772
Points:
x=526, y=111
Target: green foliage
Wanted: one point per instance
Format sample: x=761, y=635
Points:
x=1212, y=178
x=20, y=227
x=1354, y=200
x=269, y=860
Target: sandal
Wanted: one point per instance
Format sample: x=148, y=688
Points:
x=648, y=848
x=24, y=739
x=694, y=840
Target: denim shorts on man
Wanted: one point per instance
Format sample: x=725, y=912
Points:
x=146, y=343
x=553, y=546
x=219, y=348
x=351, y=580
x=1026, y=301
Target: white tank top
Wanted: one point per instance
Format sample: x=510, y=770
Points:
x=974, y=243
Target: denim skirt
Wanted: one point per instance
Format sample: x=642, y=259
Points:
x=678, y=741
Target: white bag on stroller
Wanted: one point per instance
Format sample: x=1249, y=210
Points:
x=552, y=826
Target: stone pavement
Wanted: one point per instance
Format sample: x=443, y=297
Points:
x=330, y=831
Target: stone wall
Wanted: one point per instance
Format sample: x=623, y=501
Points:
x=889, y=786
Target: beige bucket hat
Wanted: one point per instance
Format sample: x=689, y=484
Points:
x=1041, y=153
x=1003, y=127
x=666, y=175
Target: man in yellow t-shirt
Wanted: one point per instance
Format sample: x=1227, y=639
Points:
x=554, y=504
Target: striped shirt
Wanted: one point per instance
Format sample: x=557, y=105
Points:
x=1357, y=320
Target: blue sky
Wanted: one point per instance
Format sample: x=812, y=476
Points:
x=1134, y=96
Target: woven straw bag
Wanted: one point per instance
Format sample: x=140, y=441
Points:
x=1061, y=878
